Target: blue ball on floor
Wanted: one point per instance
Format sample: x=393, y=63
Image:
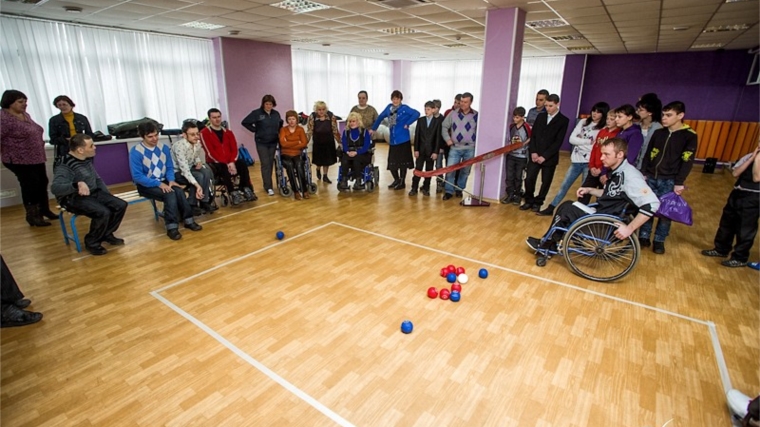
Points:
x=407, y=327
x=483, y=273
x=455, y=296
x=451, y=277
x=280, y=235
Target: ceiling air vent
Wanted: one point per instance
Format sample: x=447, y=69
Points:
x=401, y=4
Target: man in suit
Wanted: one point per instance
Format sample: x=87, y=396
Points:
x=548, y=132
x=426, y=138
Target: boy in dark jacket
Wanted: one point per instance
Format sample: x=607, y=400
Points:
x=426, y=136
x=666, y=164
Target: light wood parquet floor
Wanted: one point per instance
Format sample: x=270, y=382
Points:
x=322, y=311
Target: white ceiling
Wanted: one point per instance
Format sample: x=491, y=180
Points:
x=353, y=26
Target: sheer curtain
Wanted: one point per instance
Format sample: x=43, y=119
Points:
x=336, y=79
x=539, y=73
x=111, y=75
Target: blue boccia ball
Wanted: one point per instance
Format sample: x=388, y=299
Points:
x=483, y=273
x=455, y=296
x=280, y=235
x=406, y=327
x=451, y=277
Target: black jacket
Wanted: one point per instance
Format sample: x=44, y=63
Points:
x=670, y=155
x=266, y=127
x=427, y=138
x=60, y=131
x=547, y=138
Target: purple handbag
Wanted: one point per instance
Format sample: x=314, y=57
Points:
x=674, y=208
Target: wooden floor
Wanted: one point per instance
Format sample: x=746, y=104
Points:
x=230, y=327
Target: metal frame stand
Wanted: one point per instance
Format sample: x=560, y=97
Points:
x=479, y=202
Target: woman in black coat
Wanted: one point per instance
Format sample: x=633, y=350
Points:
x=65, y=125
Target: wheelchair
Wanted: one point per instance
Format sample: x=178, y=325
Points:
x=370, y=175
x=591, y=249
x=282, y=179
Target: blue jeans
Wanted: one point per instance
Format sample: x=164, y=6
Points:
x=660, y=188
x=458, y=155
x=575, y=170
x=176, y=206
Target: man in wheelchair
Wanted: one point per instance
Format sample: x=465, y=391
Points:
x=625, y=186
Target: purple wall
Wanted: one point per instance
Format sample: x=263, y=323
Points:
x=572, y=88
x=112, y=163
x=711, y=84
x=251, y=70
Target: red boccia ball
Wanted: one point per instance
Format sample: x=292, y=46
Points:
x=444, y=272
x=444, y=294
x=432, y=292
x=456, y=287
x=460, y=270
x=451, y=269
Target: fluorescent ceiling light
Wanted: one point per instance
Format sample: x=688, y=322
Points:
x=578, y=48
x=300, y=6
x=455, y=45
x=399, y=30
x=202, y=25
x=706, y=45
x=564, y=38
x=374, y=50
x=723, y=28
x=546, y=23
x=305, y=41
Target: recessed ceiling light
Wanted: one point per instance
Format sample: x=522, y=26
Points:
x=706, y=45
x=546, y=23
x=735, y=1
x=723, y=28
x=300, y=6
x=233, y=32
x=564, y=38
x=680, y=28
x=72, y=9
x=399, y=30
x=202, y=25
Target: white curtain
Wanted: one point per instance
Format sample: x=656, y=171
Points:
x=336, y=79
x=539, y=73
x=111, y=75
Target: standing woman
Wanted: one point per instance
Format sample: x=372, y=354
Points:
x=625, y=116
x=368, y=112
x=65, y=125
x=265, y=122
x=23, y=153
x=323, y=127
x=400, y=117
x=650, y=111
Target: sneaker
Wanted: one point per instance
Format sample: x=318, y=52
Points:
x=194, y=226
x=174, y=234
x=249, y=195
x=113, y=240
x=733, y=263
x=549, y=211
x=658, y=247
x=713, y=252
x=270, y=192
x=754, y=265
x=97, y=250
x=14, y=316
x=644, y=242
x=533, y=243
x=236, y=198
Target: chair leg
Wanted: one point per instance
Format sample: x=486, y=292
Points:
x=63, y=227
x=75, y=233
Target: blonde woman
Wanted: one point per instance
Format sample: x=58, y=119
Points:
x=356, y=143
x=323, y=129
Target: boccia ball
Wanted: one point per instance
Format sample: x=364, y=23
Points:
x=406, y=327
x=444, y=294
x=432, y=292
x=483, y=273
x=462, y=278
x=451, y=277
x=451, y=269
x=280, y=235
x=455, y=296
x=444, y=272
x=456, y=287
x=460, y=270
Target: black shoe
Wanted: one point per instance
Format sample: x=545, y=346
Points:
x=113, y=240
x=658, y=247
x=249, y=195
x=526, y=206
x=549, y=211
x=319, y=174
x=393, y=184
x=439, y=189
x=448, y=196
x=516, y=200
x=458, y=193
x=644, y=242
x=208, y=207
x=14, y=316
x=535, y=208
x=326, y=179
x=174, y=234
x=22, y=303
x=197, y=211
x=533, y=243
x=413, y=192
x=504, y=200
x=733, y=263
x=97, y=250
x=194, y=226
x=358, y=185
x=343, y=185
x=426, y=192
x=45, y=211
x=400, y=186
x=713, y=252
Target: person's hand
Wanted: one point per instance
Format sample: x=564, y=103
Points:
x=416, y=154
x=595, y=171
x=231, y=168
x=534, y=157
x=199, y=193
x=623, y=231
x=406, y=126
x=449, y=143
x=352, y=154
x=84, y=190
x=541, y=160
x=581, y=192
x=603, y=179
x=678, y=189
x=434, y=156
x=371, y=132
x=165, y=188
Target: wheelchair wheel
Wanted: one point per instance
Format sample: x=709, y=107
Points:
x=313, y=188
x=285, y=191
x=369, y=186
x=376, y=177
x=593, y=251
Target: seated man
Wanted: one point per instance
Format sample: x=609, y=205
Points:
x=79, y=189
x=190, y=160
x=356, y=143
x=626, y=185
x=222, y=155
x=150, y=163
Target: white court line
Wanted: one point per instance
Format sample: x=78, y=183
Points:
x=722, y=367
x=218, y=217
x=256, y=364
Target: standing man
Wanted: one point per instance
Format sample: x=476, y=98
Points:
x=368, y=112
x=666, y=164
x=79, y=189
x=455, y=106
x=189, y=158
x=548, y=132
x=459, y=130
x=426, y=136
x=221, y=150
x=150, y=163
x=539, y=108
x=265, y=122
